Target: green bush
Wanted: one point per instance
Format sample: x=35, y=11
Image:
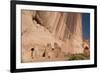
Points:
x=78, y=57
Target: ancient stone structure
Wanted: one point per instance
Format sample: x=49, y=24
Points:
x=42, y=27
x=86, y=46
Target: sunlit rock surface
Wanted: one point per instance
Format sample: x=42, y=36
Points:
x=52, y=35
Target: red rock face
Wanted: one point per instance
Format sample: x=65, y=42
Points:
x=40, y=28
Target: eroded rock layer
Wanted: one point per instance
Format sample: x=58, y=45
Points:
x=61, y=32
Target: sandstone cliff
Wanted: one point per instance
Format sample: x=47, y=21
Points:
x=40, y=28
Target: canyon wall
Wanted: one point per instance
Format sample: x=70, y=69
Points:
x=43, y=27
